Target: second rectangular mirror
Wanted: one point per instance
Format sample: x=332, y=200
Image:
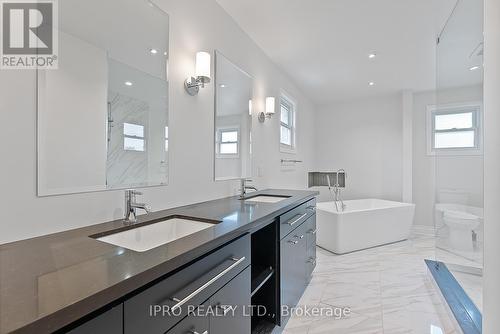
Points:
x=233, y=121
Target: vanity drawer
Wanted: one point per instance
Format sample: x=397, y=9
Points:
x=185, y=289
x=195, y=322
x=295, y=217
x=235, y=296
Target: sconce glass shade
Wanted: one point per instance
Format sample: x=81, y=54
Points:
x=270, y=109
x=202, y=65
x=250, y=107
x=202, y=74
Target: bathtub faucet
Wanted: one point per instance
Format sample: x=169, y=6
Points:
x=336, y=190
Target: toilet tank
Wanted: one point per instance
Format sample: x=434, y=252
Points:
x=455, y=196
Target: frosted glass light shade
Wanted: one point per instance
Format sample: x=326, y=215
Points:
x=270, y=105
x=202, y=64
x=250, y=107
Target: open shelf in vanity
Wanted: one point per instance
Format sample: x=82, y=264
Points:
x=265, y=279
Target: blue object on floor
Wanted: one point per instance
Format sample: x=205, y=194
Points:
x=465, y=311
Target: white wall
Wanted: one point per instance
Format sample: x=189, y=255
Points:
x=453, y=172
x=194, y=26
x=365, y=138
x=73, y=124
x=491, y=288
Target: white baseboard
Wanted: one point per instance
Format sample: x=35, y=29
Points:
x=425, y=230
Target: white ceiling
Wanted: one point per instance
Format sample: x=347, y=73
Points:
x=323, y=45
x=460, y=47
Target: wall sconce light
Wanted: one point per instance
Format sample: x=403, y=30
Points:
x=270, y=109
x=202, y=74
x=250, y=107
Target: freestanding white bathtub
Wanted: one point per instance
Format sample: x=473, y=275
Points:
x=364, y=223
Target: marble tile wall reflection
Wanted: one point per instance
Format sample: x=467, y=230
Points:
x=125, y=167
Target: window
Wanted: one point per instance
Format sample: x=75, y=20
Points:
x=287, y=124
x=166, y=139
x=454, y=130
x=133, y=137
x=228, y=142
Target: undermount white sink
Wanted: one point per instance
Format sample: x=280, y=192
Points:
x=266, y=199
x=147, y=237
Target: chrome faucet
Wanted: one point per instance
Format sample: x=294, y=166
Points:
x=336, y=189
x=337, y=186
x=244, y=187
x=131, y=206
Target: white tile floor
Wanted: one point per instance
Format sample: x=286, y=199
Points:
x=388, y=290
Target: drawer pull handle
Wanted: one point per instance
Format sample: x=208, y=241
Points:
x=195, y=332
x=297, y=220
x=225, y=308
x=312, y=232
x=299, y=237
x=294, y=242
x=312, y=208
x=183, y=301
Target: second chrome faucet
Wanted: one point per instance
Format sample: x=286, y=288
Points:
x=131, y=206
x=244, y=188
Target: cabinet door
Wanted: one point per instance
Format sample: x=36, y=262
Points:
x=311, y=245
x=230, y=306
x=293, y=270
x=110, y=322
x=197, y=322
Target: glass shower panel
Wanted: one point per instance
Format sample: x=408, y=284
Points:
x=456, y=146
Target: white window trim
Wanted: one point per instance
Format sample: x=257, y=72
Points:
x=450, y=108
x=283, y=147
x=167, y=142
x=218, y=142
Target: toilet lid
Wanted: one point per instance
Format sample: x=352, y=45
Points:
x=459, y=215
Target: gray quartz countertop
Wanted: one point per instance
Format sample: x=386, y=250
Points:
x=51, y=281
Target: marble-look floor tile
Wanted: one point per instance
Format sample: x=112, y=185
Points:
x=386, y=289
x=353, y=324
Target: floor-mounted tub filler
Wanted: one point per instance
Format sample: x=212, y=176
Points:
x=363, y=223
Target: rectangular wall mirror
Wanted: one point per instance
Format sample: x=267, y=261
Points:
x=233, y=120
x=103, y=114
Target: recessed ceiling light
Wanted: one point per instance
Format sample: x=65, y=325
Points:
x=475, y=67
x=128, y=83
x=153, y=51
x=222, y=86
x=371, y=83
x=372, y=55
x=165, y=53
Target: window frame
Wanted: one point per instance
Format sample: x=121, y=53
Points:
x=290, y=102
x=143, y=138
x=218, y=142
x=451, y=109
x=166, y=138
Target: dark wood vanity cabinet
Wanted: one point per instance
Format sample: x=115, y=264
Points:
x=298, y=252
x=215, y=293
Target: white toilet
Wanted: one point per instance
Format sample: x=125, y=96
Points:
x=460, y=225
